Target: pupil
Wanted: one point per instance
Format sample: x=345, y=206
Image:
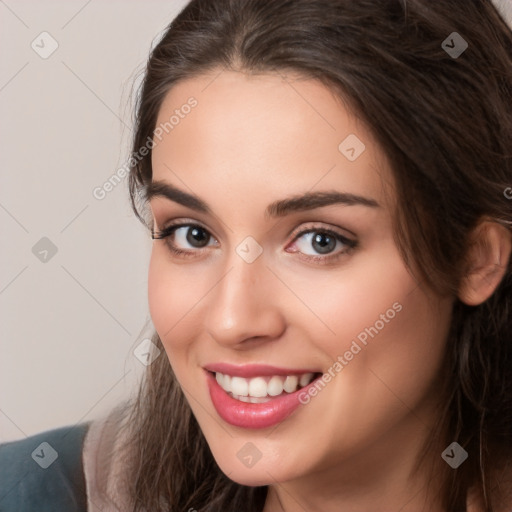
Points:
x=324, y=243
x=197, y=236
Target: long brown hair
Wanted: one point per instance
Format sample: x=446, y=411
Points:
x=445, y=124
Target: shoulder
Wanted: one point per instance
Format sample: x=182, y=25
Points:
x=44, y=472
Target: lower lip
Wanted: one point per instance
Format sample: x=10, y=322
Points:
x=248, y=415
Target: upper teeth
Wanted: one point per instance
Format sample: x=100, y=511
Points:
x=262, y=386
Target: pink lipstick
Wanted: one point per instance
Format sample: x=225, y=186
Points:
x=254, y=415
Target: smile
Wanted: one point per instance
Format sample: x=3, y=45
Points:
x=260, y=401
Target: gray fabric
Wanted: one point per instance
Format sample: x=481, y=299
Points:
x=36, y=477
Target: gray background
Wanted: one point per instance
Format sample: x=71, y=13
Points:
x=70, y=324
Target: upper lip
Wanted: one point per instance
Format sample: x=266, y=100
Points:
x=254, y=370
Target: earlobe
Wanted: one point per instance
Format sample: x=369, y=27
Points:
x=488, y=258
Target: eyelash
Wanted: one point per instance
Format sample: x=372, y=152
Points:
x=169, y=230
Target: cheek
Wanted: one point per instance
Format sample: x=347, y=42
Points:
x=388, y=329
x=391, y=334
x=162, y=296
x=172, y=295
x=354, y=299
x=409, y=352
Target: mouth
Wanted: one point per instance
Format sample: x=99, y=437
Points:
x=260, y=401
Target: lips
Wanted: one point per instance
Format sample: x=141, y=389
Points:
x=254, y=415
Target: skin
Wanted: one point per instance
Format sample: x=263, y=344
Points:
x=252, y=140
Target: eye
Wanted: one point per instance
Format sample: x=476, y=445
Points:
x=317, y=244
x=182, y=239
x=321, y=244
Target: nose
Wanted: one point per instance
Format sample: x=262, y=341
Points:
x=244, y=306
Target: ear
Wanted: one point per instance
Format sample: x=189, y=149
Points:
x=487, y=259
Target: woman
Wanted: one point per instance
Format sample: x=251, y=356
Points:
x=328, y=187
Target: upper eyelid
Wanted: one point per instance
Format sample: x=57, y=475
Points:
x=301, y=231
x=309, y=212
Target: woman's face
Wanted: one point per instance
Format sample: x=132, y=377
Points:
x=312, y=285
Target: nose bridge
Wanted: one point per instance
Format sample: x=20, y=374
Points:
x=243, y=304
x=241, y=287
x=246, y=271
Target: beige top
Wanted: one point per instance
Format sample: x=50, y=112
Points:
x=105, y=465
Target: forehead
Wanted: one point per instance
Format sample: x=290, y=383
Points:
x=266, y=133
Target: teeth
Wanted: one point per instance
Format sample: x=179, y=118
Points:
x=224, y=381
x=258, y=389
x=290, y=384
x=275, y=386
x=239, y=386
x=305, y=379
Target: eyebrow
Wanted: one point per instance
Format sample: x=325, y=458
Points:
x=280, y=208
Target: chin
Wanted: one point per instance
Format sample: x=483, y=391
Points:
x=250, y=478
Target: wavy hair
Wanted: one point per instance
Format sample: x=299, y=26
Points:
x=444, y=123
